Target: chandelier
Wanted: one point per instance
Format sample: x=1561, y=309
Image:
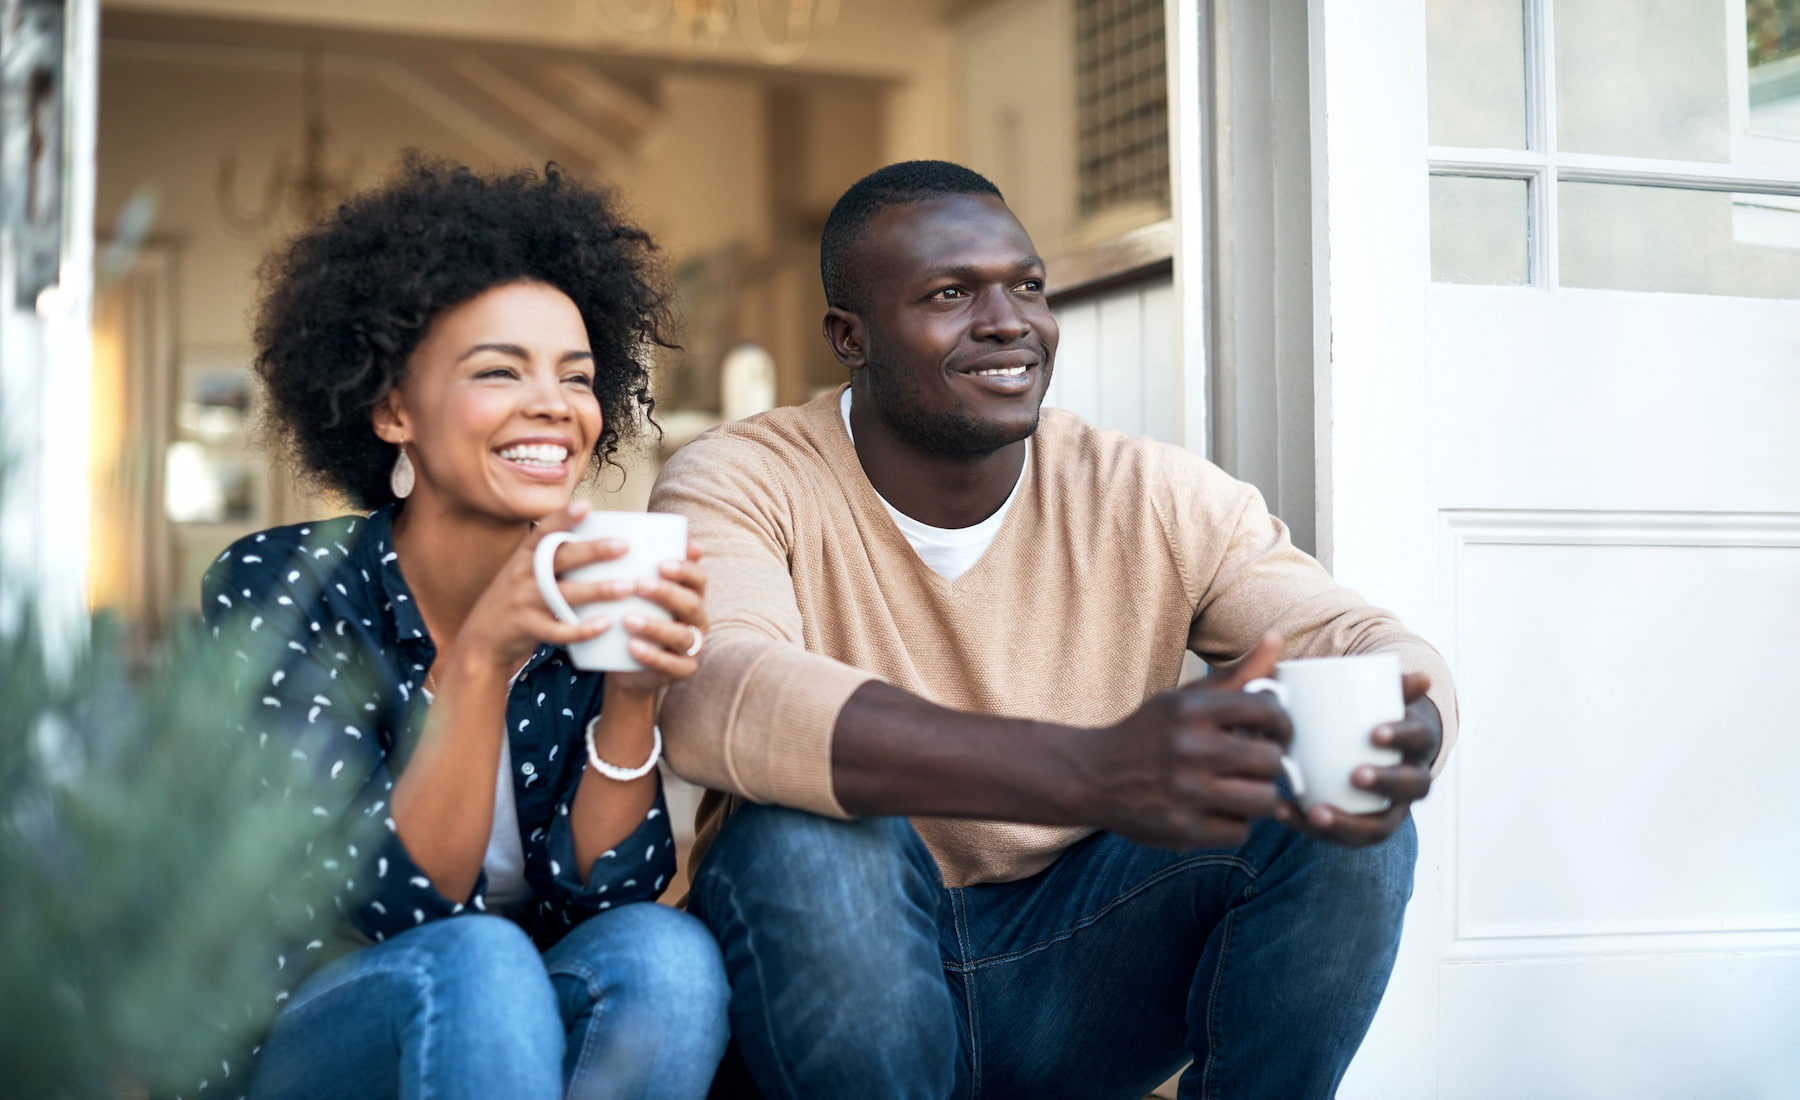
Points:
x=306, y=193
x=706, y=23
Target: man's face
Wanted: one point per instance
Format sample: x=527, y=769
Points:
x=961, y=342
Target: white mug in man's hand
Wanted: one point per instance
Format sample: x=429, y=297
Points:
x=1335, y=703
x=650, y=538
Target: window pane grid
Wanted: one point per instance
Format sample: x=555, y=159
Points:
x=1741, y=242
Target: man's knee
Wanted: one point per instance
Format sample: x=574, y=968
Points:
x=830, y=935
x=1381, y=874
x=824, y=870
x=1362, y=892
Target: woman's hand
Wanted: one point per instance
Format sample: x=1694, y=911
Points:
x=669, y=651
x=510, y=619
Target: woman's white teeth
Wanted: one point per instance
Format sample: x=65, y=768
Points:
x=1001, y=372
x=536, y=454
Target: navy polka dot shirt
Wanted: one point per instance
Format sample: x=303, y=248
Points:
x=344, y=697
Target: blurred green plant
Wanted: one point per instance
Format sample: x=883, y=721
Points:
x=148, y=874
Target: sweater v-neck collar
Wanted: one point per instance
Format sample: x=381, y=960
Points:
x=872, y=510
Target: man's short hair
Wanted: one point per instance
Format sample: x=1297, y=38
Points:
x=896, y=185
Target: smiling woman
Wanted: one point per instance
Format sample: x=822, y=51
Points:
x=457, y=352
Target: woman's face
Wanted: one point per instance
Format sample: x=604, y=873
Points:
x=497, y=410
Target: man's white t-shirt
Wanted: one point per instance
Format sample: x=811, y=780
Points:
x=949, y=551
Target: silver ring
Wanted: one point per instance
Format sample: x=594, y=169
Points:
x=694, y=650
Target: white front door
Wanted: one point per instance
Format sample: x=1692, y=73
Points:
x=1558, y=263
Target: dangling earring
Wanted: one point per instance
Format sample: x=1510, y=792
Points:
x=401, y=480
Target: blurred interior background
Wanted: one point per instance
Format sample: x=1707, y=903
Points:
x=728, y=127
x=1497, y=302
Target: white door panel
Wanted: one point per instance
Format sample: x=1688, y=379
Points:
x=1629, y=756
x=1599, y=399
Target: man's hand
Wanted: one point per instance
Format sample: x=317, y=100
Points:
x=1418, y=737
x=1191, y=768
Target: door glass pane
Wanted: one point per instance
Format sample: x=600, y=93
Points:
x=1772, y=45
x=1479, y=231
x=1694, y=242
x=1643, y=78
x=1475, y=68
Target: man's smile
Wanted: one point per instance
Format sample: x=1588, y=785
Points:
x=1006, y=373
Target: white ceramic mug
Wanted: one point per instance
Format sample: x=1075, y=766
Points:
x=651, y=538
x=1335, y=704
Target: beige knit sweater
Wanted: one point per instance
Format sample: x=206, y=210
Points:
x=1117, y=555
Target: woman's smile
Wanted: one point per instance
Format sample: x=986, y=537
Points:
x=538, y=459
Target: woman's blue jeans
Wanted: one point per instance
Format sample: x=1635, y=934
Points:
x=854, y=972
x=629, y=1004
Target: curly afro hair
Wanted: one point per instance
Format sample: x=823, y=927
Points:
x=346, y=302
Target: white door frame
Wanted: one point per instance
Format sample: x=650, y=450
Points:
x=1369, y=240
x=1371, y=263
x=1187, y=45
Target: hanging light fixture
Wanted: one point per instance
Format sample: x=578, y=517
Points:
x=705, y=23
x=306, y=194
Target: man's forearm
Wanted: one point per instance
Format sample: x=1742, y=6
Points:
x=895, y=753
x=1177, y=772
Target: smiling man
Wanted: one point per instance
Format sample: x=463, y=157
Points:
x=966, y=837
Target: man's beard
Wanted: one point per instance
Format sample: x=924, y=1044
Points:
x=894, y=396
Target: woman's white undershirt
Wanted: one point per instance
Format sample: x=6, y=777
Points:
x=949, y=551
x=504, y=863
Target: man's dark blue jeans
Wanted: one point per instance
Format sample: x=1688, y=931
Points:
x=855, y=972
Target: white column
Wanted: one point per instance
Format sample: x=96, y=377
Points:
x=44, y=362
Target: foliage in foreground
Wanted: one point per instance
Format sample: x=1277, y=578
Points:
x=146, y=869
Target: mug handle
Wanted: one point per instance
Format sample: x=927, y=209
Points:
x=1280, y=691
x=543, y=564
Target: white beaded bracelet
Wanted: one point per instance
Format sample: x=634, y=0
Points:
x=613, y=771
